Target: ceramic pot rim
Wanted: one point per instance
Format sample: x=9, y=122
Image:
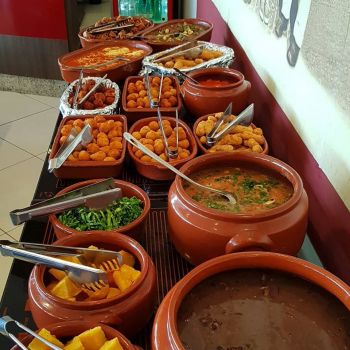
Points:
x=264, y=161
x=175, y=163
x=133, y=248
x=252, y=260
x=145, y=199
x=228, y=72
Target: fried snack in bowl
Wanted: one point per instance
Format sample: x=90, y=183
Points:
x=240, y=138
x=147, y=132
x=135, y=101
x=102, y=157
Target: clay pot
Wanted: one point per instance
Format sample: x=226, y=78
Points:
x=205, y=35
x=114, y=73
x=200, y=233
x=203, y=149
x=200, y=100
x=70, y=329
x=135, y=229
x=155, y=171
x=128, y=312
x=134, y=114
x=88, y=169
x=85, y=42
x=165, y=336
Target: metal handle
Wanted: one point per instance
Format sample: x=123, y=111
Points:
x=91, y=91
x=5, y=320
x=186, y=76
x=99, y=65
x=217, y=125
x=131, y=139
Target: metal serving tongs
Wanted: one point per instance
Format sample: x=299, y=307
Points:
x=113, y=25
x=133, y=141
x=244, y=118
x=77, y=90
x=97, y=84
x=87, y=277
x=172, y=154
x=84, y=138
x=8, y=327
x=96, y=196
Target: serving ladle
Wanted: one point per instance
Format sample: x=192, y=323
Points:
x=133, y=141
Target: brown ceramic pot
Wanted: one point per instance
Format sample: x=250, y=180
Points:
x=160, y=46
x=201, y=100
x=165, y=335
x=202, y=148
x=114, y=73
x=70, y=329
x=129, y=312
x=200, y=233
x=155, y=171
x=88, y=169
x=134, y=114
x=135, y=229
x=86, y=42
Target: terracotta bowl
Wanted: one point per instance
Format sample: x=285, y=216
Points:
x=70, y=329
x=165, y=335
x=85, y=42
x=203, y=149
x=160, y=46
x=120, y=72
x=134, y=114
x=129, y=312
x=200, y=233
x=88, y=169
x=135, y=229
x=201, y=100
x=156, y=171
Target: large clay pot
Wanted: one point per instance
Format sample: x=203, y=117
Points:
x=165, y=335
x=135, y=229
x=201, y=100
x=200, y=233
x=128, y=312
x=70, y=329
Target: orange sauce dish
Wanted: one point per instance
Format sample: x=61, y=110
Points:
x=105, y=55
x=215, y=82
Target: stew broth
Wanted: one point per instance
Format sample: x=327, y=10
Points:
x=256, y=191
x=262, y=310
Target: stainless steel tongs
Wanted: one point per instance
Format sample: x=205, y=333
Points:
x=244, y=118
x=7, y=327
x=84, y=137
x=83, y=274
x=96, y=196
x=172, y=154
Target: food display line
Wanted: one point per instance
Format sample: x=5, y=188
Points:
x=170, y=266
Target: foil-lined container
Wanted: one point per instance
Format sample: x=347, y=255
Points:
x=225, y=60
x=67, y=110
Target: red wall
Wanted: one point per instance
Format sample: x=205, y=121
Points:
x=33, y=18
x=329, y=219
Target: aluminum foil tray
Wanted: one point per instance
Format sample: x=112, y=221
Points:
x=224, y=61
x=66, y=110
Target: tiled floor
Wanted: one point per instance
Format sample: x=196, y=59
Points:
x=26, y=125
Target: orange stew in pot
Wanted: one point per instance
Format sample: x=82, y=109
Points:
x=215, y=82
x=256, y=191
x=105, y=55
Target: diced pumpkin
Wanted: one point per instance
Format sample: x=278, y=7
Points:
x=113, y=292
x=36, y=344
x=128, y=258
x=58, y=274
x=66, y=289
x=72, y=259
x=125, y=276
x=112, y=344
x=93, y=339
x=51, y=285
x=98, y=294
x=74, y=344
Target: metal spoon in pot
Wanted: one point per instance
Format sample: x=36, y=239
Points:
x=132, y=140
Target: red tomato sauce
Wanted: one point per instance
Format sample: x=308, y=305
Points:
x=215, y=82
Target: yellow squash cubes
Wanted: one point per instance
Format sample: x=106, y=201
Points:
x=38, y=345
